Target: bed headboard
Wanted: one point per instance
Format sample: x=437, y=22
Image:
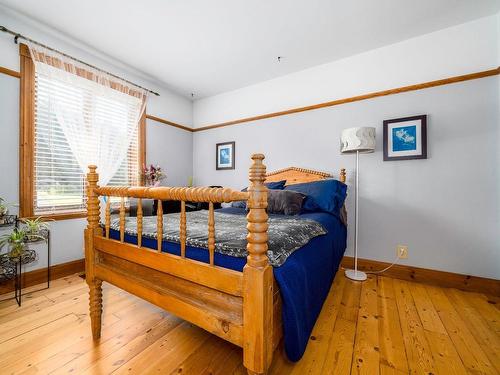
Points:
x=294, y=175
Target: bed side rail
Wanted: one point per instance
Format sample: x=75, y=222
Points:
x=198, y=194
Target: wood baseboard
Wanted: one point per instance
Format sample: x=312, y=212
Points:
x=40, y=276
x=428, y=276
x=398, y=271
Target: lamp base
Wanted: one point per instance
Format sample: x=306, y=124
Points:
x=355, y=275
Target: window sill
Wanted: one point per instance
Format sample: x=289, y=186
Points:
x=61, y=216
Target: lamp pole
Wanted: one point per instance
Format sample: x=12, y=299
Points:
x=355, y=274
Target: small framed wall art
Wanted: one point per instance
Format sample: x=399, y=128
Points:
x=224, y=158
x=405, y=138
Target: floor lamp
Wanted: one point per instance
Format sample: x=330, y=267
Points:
x=357, y=140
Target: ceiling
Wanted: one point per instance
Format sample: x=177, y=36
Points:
x=209, y=47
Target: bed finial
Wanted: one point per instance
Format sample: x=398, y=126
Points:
x=342, y=175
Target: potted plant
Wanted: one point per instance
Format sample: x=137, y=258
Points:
x=17, y=244
x=15, y=240
x=153, y=175
x=35, y=229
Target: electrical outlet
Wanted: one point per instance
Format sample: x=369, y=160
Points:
x=402, y=251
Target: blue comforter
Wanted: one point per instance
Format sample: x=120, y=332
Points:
x=304, y=279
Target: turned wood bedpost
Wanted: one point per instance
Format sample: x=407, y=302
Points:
x=95, y=285
x=342, y=176
x=257, y=277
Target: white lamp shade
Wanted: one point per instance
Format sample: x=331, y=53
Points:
x=357, y=139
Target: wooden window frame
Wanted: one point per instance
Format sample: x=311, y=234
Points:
x=27, y=144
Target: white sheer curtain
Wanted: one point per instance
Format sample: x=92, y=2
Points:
x=102, y=121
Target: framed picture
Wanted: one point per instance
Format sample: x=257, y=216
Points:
x=405, y=138
x=224, y=158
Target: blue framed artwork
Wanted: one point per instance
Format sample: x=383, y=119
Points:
x=224, y=158
x=405, y=138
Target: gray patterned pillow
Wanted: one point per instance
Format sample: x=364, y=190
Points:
x=284, y=202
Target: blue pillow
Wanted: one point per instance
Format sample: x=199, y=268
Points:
x=326, y=195
x=278, y=185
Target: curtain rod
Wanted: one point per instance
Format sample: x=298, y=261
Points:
x=20, y=36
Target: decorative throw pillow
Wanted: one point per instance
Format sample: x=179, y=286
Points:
x=284, y=202
x=278, y=185
x=326, y=195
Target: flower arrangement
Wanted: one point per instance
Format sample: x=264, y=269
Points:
x=153, y=175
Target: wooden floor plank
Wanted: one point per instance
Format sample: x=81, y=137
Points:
x=167, y=353
x=445, y=356
x=478, y=326
x=392, y=350
x=313, y=360
x=113, y=361
x=218, y=357
x=79, y=353
x=471, y=354
x=395, y=327
x=486, y=309
x=366, y=356
x=341, y=346
x=418, y=351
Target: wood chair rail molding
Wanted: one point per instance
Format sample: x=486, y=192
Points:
x=10, y=72
x=427, y=276
x=419, y=86
x=167, y=122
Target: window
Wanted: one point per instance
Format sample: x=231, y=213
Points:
x=57, y=184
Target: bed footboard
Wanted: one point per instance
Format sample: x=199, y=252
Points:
x=237, y=306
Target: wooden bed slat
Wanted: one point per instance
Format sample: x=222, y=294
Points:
x=159, y=225
x=215, y=277
x=139, y=222
x=211, y=233
x=122, y=219
x=182, y=229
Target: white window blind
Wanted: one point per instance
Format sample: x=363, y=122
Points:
x=59, y=182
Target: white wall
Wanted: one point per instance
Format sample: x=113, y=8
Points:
x=444, y=208
x=462, y=49
x=162, y=141
x=172, y=148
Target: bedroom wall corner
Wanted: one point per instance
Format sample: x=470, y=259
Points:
x=164, y=141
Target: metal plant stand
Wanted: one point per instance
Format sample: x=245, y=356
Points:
x=12, y=267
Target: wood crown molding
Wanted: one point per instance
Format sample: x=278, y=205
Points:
x=420, y=86
x=10, y=72
x=39, y=276
x=166, y=122
x=427, y=276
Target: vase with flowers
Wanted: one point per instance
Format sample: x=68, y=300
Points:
x=153, y=175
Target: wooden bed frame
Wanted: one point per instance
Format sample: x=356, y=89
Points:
x=241, y=307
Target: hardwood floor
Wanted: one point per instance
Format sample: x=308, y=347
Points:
x=382, y=326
